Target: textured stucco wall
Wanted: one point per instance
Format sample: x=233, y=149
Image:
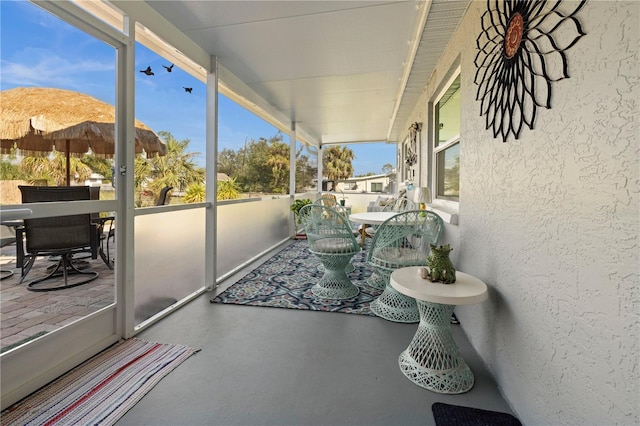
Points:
x=551, y=223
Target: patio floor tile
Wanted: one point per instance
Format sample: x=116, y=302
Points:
x=24, y=313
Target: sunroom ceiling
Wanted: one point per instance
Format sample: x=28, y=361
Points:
x=343, y=71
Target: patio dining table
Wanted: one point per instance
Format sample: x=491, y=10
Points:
x=13, y=218
x=369, y=218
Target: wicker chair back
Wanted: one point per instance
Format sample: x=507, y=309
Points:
x=330, y=238
x=400, y=205
x=328, y=200
x=404, y=239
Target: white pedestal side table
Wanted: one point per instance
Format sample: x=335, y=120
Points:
x=433, y=360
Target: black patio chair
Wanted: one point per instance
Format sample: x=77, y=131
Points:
x=61, y=237
x=5, y=241
x=105, y=228
x=163, y=198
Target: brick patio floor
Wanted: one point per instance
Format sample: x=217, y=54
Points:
x=25, y=313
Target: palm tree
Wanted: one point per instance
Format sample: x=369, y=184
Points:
x=227, y=190
x=10, y=171
x=53, y=168
x=103, y=166
x=195, y=193
x=279, y=162
x=336, y=162
x=176, y=169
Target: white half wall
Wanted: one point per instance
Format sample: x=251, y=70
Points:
x=551, y=223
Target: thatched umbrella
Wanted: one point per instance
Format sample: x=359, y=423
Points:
x=38, y=120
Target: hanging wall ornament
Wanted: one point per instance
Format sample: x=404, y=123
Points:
x=412, y=151
x=521, y=51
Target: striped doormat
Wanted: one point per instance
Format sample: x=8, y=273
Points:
x=102, y=389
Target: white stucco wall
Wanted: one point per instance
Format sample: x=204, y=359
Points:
x=551, y=223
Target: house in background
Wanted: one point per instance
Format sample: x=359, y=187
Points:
x=372, y=183
x=94, y=180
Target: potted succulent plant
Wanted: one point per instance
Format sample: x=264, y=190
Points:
x=343, y=198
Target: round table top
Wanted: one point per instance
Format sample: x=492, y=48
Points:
x=371, y=218
x=465, y=291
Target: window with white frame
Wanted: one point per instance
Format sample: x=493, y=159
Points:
x=446, y=150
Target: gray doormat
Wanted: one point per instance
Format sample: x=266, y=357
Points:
x=456, y=415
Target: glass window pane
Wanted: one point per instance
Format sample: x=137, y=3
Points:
x=253, y=154
x=44, y=55
x=306, y=167
x=448, y=114
x=169, y=264
x=355, y=168
x=172, y=103
x=448, y=164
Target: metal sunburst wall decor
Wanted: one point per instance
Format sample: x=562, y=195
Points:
x=519, y=56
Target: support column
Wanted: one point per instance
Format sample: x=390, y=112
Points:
x=292, y=176
x=320, y=171
x=124, y=178
x=211, y=174
x=292, y=159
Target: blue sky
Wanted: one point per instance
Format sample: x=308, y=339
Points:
x=38, y=49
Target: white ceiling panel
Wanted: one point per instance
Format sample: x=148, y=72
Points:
x=198, y=15
x=334, y=67
x=328, y=91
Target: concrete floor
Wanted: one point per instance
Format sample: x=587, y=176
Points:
x=271, y=366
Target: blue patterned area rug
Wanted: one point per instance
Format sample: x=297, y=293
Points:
x=285, y=281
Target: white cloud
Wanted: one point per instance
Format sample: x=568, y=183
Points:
x=41, y=67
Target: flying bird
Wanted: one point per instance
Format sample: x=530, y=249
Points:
x=188, y=89
x=169, y=69
x=147, y=71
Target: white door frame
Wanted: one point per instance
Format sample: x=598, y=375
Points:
x=29, y=367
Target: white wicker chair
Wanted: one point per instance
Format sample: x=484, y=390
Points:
x=402, y=240
x=331, y=239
